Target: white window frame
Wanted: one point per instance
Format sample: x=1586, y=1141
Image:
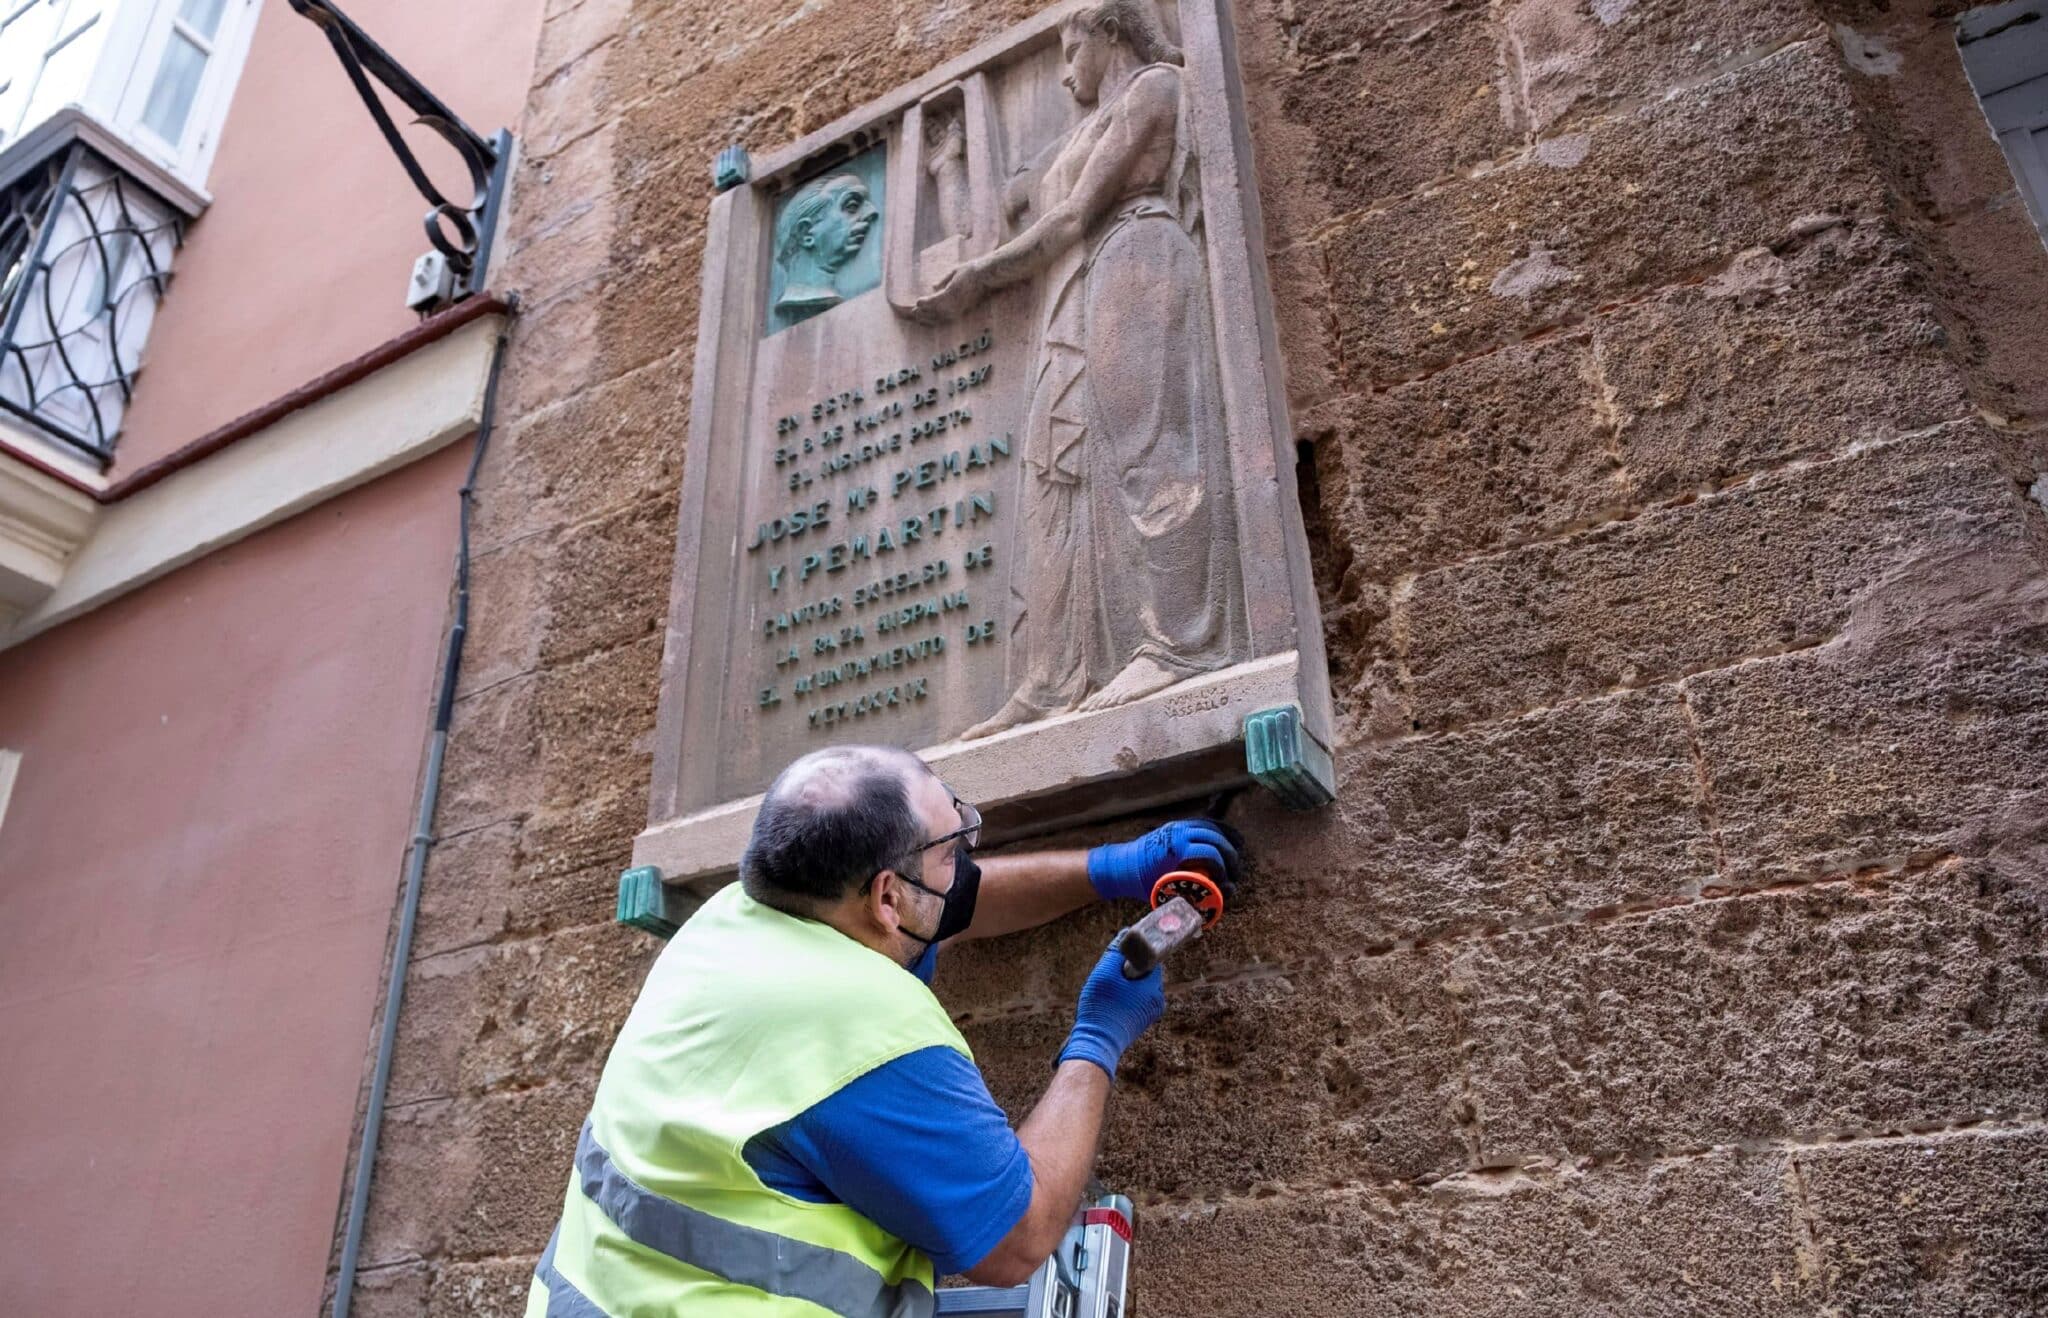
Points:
x=130, y=39
x=226, y=52
x=49, y=27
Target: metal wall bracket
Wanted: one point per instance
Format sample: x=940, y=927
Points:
x=648, y=904
x=1287, y=761
x=461, y=231
x=732, y=168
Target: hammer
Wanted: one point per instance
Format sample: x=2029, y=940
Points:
x=1174, y=921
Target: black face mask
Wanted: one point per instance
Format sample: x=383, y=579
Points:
x=960, y=898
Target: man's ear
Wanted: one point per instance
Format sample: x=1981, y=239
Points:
x=1111, y=30
x=885, y=899
x=804, y=233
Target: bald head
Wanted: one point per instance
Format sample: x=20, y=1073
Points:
x=830, y=821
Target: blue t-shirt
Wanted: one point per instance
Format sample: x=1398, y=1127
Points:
x=916, y=1146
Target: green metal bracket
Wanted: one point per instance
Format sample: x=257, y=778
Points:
x=732, y=168
x=646, y=903
x=1287, y=761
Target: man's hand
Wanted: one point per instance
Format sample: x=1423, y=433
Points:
x=1061, y=1133
x=1126, y=871
x=1113, y=1012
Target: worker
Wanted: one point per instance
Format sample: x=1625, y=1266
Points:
x=789, y=1123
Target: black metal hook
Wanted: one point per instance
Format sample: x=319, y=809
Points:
x=459, y=232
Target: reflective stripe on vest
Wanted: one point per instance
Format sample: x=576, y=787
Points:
x=564, y=1300
x=744, y=1255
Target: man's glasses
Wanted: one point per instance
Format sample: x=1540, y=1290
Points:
x=969, y=834
x=969, y=831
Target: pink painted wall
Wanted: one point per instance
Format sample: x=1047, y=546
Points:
x=301, y=263
x=197, y=875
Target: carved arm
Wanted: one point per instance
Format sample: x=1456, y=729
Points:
x=1149, y=110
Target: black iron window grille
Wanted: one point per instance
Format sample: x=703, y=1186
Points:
x=86, y=252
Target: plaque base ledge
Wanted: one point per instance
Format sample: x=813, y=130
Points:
x=1055, y=773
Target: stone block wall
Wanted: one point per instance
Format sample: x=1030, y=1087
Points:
x=1670, y=392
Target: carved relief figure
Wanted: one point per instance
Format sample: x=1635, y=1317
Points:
x=1134, y=583
x=821, y=229
x=946, y=162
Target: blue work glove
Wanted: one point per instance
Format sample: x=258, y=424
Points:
x=1127, y=870
x=1113, y=1012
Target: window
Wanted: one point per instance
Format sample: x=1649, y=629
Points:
x=2005, y=51
x=47, y=50
x=87, y=251
x=157, y=72
x=179, y=93
x=110, y=111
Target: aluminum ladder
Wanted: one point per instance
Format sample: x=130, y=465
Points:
x=1086, y=1277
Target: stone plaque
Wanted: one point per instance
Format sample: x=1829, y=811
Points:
x=988, y=454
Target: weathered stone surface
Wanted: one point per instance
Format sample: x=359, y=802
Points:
x=1042, y=967
x=1950, y=1224
x=1776, y=563
x=661, y=204
x=1580, y=809
x=491, y=1288
x=1776, y=359
x=593, y=719
x=569, y=34
x=559, y=871
x=1954, y=191
x=433, y=1027
x=417, y=1192
x=474, y=1178
x=1572, y=810
x=676, y=42
x=606, y=581
x=1301, y=299
x=493, y=771
x=1708, y=1235
x=548, y=1008
x=1926, y=126
x=1364, y=1066
x=507, y=614
x=397, y=1291
x=600, y=450
x=594, y=832
x=1839, y=1008
x=465, y=896
x=1644, y=200
x=648, y=312
x=568, y=102
x=1503, y=448
x=522, y=1146
x=1855, y=754
x=561, y=227
x=766, y=75
x=1992, y=276
x=518, y=1014
x=1292, y=200
x=1566, y=59
x=1397, y=92
x=1782, y=356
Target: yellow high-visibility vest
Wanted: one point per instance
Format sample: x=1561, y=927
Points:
x=748, y=1018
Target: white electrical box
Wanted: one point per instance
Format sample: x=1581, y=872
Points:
x=433, y=283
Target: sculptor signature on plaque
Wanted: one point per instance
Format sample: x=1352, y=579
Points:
x=821, y=230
